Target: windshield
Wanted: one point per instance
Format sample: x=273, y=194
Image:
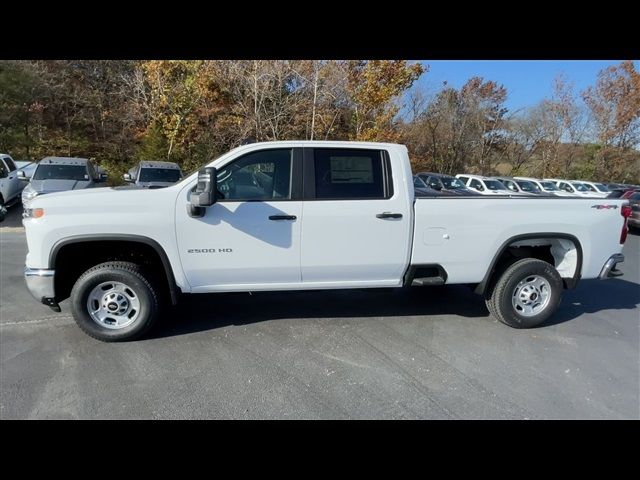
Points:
x=549, y=186
x=601, y=187
x=494, y=185
x=60, y=172
x=528, y=186
x=452, y=183
x=580, y=187
x=159, y=175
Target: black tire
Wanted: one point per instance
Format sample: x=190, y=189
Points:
x=131, y=275
x=500, y=303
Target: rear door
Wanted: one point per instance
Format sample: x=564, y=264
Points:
x=357, y=218
x=12, y=181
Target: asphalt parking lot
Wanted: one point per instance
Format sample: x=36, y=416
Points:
x=429, y=353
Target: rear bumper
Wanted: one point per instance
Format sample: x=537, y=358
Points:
x=40, y=283
x=609, y=268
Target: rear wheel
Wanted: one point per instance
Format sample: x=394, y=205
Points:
x=526, y=294
x=114, y=301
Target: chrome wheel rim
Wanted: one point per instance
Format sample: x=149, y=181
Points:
x=531, y=296
x=113, y=305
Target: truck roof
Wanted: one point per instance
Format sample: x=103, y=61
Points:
x=476, y=177
x=64, y=161
x=158, y=164
x=345, y=143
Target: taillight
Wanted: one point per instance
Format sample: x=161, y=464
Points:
x=625, y=211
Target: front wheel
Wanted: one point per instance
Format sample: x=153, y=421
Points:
x=526, y=294
x=114, y=302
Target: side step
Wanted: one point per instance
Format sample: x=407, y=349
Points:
x=425, y=275
x=427, y=281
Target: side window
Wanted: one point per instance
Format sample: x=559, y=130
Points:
x=476, y=184
x=262, y=175
x=10, y=164
x=3, y=170
x=349, y=173
x=566, y=187
x=511, y=186
x=464, y=180
x=91, y=171
x=434, y=182
x=590, y=187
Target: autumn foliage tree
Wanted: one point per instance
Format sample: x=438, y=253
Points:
x=190, y=111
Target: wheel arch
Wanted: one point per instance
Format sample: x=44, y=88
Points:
x=122, y=239
x=481, y=287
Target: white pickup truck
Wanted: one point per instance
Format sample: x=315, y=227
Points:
x=308, y=215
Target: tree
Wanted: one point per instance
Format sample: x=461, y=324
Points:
x=373, y=86
x=614, y=103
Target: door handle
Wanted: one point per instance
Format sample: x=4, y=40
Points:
x=389, y=215
x=282, y=217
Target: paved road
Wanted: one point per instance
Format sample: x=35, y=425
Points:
x=422, y=353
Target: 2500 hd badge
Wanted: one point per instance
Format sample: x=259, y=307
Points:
x=210, y=250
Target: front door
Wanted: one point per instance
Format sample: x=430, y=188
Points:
x=250, y=238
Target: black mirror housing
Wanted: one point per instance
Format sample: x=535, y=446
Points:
x=204, y=194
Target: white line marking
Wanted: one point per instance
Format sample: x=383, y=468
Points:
x=39, y=320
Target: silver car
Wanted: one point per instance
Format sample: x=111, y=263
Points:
x=59, y=174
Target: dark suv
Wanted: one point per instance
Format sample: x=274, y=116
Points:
x=445, y=184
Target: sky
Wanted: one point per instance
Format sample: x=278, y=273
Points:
x=527, y=81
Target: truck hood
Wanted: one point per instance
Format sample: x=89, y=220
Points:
x=53, y=185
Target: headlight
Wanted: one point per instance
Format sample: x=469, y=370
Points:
x=29, y=194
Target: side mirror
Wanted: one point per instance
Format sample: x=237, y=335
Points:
x=480, y=188
x=22, y=175
x=436, y=186
x=103, y=177
x=127, y=177
x=204, y=194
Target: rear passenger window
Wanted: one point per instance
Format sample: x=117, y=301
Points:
x=476, y=184
x=10, y=164
x=349, y=173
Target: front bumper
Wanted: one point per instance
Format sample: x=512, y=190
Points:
x=40, y=283
x=609, y=269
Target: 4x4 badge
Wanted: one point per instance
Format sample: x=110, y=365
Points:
x=604, y=207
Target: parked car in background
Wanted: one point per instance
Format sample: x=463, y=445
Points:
x=601, y=189
x=574, y=187
x=524, y=187
x=634, y=219
x=3, y=210
x=484, y=185
x=629, y=193
x=58, y=174
x=546, y=186
x=422, y=189
x=10, y=184
x=445, y=184
x=151, y=174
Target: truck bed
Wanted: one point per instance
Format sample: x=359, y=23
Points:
x=464, y=234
